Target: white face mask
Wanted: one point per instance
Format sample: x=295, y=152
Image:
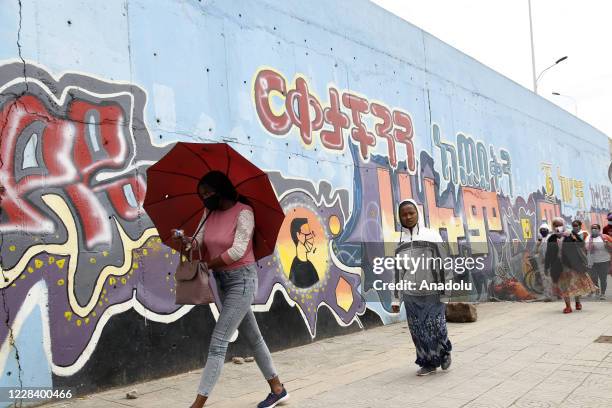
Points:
x=560, y=229
x=609, y=222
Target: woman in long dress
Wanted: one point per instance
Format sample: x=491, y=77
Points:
x=566, y=256
x=425, y=312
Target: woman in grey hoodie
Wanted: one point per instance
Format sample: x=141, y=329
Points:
x=425, y=312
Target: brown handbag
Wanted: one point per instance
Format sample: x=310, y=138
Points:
x=193, y=281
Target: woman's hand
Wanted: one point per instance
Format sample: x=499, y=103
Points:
x=179, y=236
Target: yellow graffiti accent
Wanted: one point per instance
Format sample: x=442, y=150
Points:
x=30, y=269
x=549, y=185
x=60, y=282
x=70, y=249
x=38, y=263
x=344, y=294
x=526, y=224
x=51, y=260
x=68, y=315
x=60, y=263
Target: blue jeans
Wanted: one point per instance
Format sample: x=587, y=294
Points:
x=237, y=289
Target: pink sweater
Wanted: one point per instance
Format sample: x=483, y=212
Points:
x=229, y=234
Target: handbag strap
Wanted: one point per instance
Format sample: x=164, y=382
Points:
x=195, y=240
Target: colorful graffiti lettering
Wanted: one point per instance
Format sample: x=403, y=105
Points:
x=468, y=163
x=299, y=105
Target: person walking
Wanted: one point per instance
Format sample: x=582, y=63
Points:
x=566, y=257
x=226, y=239
x=552, y=259
x=608, y=228
x=540, y=255
x=598, y=247
x=425, y=312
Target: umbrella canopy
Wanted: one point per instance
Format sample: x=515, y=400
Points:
x=172, y=199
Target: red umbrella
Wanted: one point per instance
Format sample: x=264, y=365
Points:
x=172, y=199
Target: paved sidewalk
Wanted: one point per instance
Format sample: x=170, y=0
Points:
x=517, y=354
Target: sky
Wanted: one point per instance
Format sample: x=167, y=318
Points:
x=496, y=33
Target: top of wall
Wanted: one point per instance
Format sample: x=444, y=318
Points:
x=383, y=32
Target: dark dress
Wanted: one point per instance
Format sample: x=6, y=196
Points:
x=426, y=316
x=569, y=271
x=552, y=260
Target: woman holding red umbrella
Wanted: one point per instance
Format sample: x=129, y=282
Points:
x=235, y=216
x=226, y=239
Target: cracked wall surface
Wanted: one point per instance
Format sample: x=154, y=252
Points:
x=348, y=108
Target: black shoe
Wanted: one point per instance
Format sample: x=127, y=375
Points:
x=446, y=362
x=426, y=371
x=274, y=399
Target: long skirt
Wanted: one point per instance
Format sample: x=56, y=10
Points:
x=427, y=323
x=573, y=283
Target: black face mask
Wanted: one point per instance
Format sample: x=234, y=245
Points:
x=212, y=202
x=544, y=233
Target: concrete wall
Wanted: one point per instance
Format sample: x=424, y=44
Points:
x=347, y=107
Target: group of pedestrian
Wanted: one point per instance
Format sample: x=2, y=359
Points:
x=575, y=262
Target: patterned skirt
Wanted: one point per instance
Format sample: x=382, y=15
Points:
x=572, y=283
x=427, y=323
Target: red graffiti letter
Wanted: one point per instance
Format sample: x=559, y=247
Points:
x=334, y=139
x=405, y=136
x=359, y=132
x=266, y=82
x=383, y=129
x=301, y=99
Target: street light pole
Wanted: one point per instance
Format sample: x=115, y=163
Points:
x=533, y=68
x=542, y=73
x=570, y=98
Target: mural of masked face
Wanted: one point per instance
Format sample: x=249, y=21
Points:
x=303, y=273
x=306, y=238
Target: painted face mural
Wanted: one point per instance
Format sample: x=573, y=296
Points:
x=302, y=272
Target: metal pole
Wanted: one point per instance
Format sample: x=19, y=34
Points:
x=533, y=68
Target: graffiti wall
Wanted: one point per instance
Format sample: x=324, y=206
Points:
x=348, y=108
